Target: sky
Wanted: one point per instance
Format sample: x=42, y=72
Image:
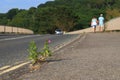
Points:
x=6, y=5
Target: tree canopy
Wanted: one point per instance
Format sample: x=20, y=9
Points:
x=67, y=15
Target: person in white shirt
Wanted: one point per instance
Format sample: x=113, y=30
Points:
x=94, y=22
x=101, y=22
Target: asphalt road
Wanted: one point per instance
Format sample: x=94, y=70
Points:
x=13, y=49
x=95, y=56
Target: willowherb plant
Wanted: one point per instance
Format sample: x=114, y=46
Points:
x=33, y=54
x=43, y=54
x=46, y=51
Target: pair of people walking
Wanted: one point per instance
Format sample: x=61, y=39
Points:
x=99, y=22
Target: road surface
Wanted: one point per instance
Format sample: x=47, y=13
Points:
x=96, y=56
x=13, y=49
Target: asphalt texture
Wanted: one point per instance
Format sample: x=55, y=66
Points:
x=14, y=48
x=95, y=56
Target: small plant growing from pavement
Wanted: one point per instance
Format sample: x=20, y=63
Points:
x=46, y=52
x=36, y=56
x=33, y=54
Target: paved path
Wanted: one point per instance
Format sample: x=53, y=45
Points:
x=95, y=56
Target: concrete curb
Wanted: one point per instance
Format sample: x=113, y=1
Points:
x=80, y=37
x=65, y=44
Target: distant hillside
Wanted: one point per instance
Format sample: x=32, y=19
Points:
x=68, y=15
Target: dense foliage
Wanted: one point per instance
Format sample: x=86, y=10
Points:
x=67, y=15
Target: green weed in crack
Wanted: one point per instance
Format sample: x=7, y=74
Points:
x=36, y=56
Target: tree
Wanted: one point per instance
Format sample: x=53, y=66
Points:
x=112, y=13
x=3, y=19
x=20, y=20
x=67, y=15
x=11, y=13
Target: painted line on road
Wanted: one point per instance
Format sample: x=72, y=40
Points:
x=13, y=68
x=18, y=37
x=7, y=69
x=4, y=67
x=66, y=43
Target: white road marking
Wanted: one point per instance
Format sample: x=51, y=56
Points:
x=4, y=67
x=18, y=37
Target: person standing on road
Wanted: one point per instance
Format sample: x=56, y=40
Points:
x=94, y=22
x=101, y=22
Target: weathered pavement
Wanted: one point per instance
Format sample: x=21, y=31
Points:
x=95, y=56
